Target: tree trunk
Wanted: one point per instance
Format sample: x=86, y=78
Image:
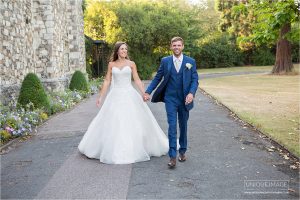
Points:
x=283, y=63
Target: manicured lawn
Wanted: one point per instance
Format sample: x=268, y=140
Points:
x=270, y=103
x=241, y=69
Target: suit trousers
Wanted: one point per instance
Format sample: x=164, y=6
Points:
x=176, y=110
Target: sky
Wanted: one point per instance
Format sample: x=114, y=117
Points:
x=201, y=3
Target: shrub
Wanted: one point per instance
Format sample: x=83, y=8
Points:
x=5, y=135
x=145, y=64
x=78, y=82
x=262, y=57
x=94, y=85
x=11, y=122
x=217, y=51
x=89, y=56
x=295, y=53
x=33, y=91
x=43, y=116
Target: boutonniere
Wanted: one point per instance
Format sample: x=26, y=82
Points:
x=188, y=65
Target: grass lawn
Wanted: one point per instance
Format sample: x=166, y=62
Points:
x=270, y=103
x=241, y=69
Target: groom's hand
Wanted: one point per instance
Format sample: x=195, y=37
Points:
x=146, y=97
x=189, y=98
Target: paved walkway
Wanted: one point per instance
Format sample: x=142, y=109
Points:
x=224, y=154
x=216, y=75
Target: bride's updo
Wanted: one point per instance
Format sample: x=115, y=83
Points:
x=114, y=55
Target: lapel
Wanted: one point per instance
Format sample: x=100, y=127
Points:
x=183, y=64
x=170, y=64
x=183, y=69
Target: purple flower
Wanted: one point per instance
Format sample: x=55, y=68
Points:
x=9, y=129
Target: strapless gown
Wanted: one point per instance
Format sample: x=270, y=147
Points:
x=124, y=130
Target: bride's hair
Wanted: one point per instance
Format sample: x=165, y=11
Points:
x=114, y=55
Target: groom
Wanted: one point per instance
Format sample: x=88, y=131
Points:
x=177, y=89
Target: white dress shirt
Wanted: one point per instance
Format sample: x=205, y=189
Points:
x=178, y=60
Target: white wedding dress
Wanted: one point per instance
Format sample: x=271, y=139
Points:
x=124, y=130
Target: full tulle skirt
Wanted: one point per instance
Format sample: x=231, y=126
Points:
x=124, y=130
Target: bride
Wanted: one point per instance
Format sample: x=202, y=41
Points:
x=124, y=130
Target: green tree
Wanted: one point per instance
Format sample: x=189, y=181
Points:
x=224, y=6
x=101, y=22
x=236, y=19
x=147, y=27
x=277, y=23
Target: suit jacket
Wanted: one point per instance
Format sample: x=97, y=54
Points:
x=190, y=79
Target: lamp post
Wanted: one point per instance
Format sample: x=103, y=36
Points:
x=99, y=46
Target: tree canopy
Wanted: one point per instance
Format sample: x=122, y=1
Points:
x=146, y=26
x=254, y=23
x=242, y=32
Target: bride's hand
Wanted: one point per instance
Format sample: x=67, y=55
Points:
x=146, y=97
x=98, y=102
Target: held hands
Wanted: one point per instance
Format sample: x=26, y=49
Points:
x=146, y=97
x=189, y=98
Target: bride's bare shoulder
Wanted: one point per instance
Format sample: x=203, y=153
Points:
x=132, y=63
x=111, y=64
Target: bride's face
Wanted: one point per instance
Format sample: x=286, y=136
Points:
x=122, y=52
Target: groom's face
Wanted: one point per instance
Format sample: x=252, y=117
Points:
x=177, y=48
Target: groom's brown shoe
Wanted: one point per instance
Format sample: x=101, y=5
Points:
x=172, y=163
x=181, y=157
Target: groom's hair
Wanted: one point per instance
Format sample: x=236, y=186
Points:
x=175, y=39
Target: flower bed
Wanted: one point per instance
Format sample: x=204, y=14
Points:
x=16, y=122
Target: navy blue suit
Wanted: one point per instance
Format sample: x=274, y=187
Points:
x=173, y=88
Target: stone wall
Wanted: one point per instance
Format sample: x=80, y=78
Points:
x=40, y=36
x=16, y=37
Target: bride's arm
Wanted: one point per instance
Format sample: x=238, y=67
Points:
x=106, y=83
x=137, y=79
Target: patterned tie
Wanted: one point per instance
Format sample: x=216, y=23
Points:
x=177, y=65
